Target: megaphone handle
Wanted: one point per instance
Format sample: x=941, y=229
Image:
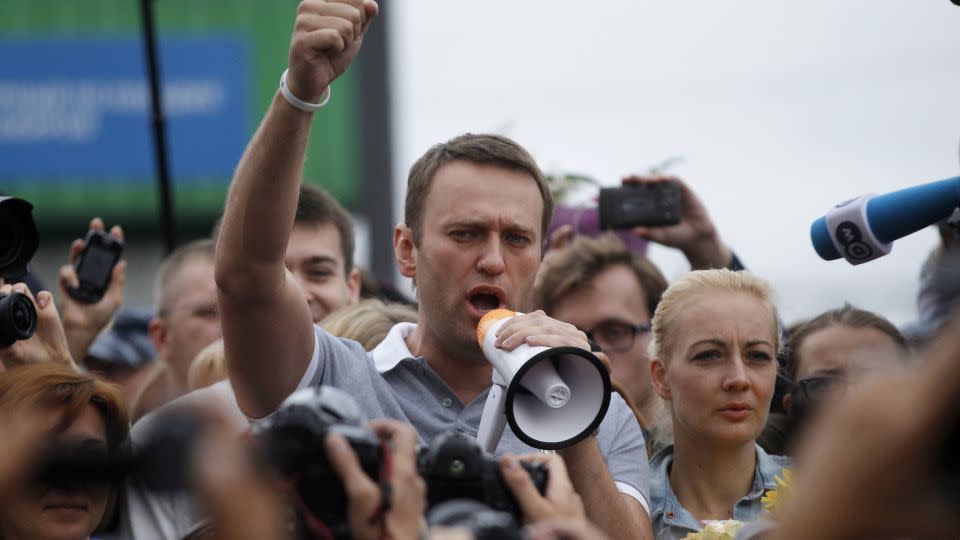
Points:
x=493, y=419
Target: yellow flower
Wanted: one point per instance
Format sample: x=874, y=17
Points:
x=717, y=530
x=774, y=498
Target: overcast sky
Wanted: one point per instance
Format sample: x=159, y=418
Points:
x=780, y=109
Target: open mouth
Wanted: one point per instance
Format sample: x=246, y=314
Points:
x=484, y=299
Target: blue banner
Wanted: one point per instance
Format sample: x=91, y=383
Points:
x=79, y=108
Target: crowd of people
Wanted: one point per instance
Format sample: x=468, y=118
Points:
x=722, y=419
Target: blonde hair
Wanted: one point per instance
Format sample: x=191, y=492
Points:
x=675, y=300
x=368, y=321
x=208, y=367
x=680, y=294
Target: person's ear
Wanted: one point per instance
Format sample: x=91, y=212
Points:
x=405, y=251
x=354, y=283
x=788, y=403
x=157, y=330
x=658, y=375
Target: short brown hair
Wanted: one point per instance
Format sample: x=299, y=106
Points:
x=317, y=207
x=586, y=258
x=172, y=265
x=844, y=316
x=478, y=148
x=56, y=386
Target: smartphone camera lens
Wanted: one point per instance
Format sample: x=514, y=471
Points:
x=18, y=318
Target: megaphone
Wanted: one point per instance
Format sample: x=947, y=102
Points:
x=552, y=397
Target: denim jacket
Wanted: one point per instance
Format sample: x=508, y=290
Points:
x=671, y=521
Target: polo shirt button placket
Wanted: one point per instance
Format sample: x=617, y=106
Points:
x=447, y=402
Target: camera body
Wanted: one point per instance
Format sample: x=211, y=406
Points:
x=291, y=441
x=455, y=467
x=94, y=266
x=635, y=205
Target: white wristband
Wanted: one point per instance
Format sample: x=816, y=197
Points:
x=299, y=103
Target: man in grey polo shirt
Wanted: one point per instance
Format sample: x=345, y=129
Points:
x=476, y=211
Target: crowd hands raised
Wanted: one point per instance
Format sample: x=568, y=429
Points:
x=840, y=426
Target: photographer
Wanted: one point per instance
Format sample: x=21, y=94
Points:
x=476, y=212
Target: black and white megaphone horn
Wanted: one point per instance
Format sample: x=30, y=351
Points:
x=552, y=397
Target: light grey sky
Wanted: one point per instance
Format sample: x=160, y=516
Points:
x=781, y=109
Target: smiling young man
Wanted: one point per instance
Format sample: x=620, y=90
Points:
x=476, y=212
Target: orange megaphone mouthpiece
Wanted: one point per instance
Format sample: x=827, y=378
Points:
x=489, y=320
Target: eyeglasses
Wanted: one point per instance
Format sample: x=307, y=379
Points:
x=817, y=388
x=617, y=336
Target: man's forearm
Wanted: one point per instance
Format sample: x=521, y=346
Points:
x=262, y=200
x=261, y=314
x=617, y=514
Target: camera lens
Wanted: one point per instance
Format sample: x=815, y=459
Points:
x=21, y=319
x=18, y=318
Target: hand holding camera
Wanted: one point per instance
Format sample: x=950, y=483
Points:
x=559, y=500
x=30, y=330
x=395, y=508
x=689, y=227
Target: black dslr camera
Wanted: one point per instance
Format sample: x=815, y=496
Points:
x=291, y=441
x=455, y=467
x=18, y=243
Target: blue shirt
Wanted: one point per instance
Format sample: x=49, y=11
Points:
x=672, y=521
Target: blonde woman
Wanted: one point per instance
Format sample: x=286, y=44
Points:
x=714, y=361
x=208, y=367
x=368, y=321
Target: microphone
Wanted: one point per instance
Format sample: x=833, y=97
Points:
x=864, y=228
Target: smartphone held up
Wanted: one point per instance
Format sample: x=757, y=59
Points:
x=640, y=205
x=95, y=265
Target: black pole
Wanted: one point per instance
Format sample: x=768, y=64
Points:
x=376, y=163
x=159, y=127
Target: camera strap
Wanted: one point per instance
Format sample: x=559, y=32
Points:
x=316, y=526
x=379, y=516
